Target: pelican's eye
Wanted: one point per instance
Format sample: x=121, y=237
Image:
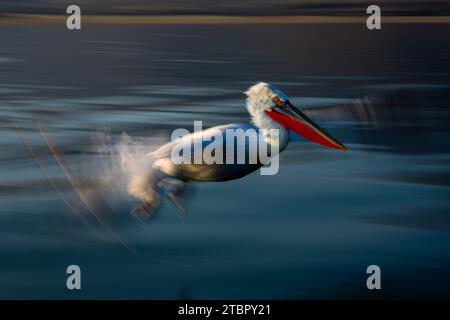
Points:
x=277, y=101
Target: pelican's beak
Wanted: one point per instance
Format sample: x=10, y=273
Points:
x=292, y=118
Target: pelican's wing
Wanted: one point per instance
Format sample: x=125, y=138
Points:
x=396, y=120
x=203, y=171
x=370, y=109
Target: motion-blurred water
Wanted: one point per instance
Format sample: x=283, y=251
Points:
x=308, y=232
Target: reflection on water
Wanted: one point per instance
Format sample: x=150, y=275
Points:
x=308, y=232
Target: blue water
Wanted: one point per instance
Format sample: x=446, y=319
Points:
x=308, y=232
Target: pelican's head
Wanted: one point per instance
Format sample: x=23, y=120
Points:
x=270, y=108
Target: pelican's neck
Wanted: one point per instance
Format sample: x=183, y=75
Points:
x=265, y=123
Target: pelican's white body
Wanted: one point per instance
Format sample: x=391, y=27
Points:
x=259, y=99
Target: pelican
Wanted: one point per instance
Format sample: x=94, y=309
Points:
x=269, y=108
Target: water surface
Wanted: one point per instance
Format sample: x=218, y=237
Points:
x=308, y=232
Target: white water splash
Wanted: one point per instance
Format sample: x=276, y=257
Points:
x=112, y=166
